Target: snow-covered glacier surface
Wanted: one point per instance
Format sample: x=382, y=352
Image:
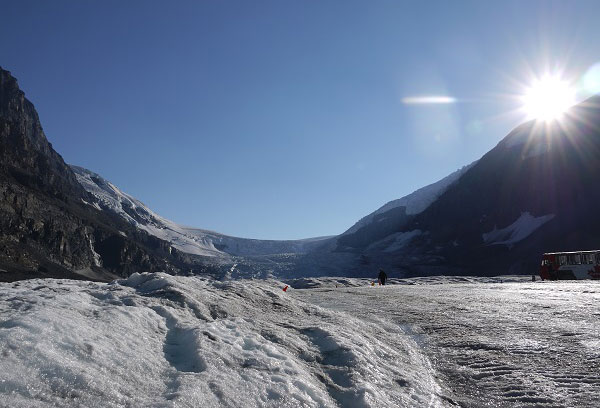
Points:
x=162, y=341
x=158, y=340
x=499, y=342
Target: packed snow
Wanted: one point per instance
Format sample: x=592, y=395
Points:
x=161, y=341
x=508, y=344
x=524, y=226
x=137, y=213
x=158, y=340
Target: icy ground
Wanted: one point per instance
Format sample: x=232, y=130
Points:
x=161, y=341
x=510, y=344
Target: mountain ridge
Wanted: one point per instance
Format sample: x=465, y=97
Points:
x=532, y=193
x=192, y=240
x=48, y=224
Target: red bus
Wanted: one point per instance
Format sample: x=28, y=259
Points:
x=570, y=265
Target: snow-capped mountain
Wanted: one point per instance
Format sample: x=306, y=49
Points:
x=413, y=203
x=45, y=227
x=534, y=192
x=190, y=240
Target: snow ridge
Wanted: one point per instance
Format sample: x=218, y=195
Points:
x=161, y=340
x=417, y=201
x=186, y=239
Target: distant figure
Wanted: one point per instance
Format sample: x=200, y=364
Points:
x=382, y=277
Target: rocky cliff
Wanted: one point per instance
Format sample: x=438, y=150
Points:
x=49, y=225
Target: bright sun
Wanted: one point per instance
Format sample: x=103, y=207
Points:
x=548, y=98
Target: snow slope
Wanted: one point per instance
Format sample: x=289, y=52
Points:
x=191, y=240
x=157, y=340
x=415, y=202
x=524, y=226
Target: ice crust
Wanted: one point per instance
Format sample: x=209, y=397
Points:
x=160, y=341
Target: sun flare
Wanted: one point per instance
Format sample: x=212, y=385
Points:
x=548, y=98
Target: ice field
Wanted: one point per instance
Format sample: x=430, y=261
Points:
x=510, y=344
x=162, y=341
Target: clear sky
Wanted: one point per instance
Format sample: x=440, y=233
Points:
x=283, y=119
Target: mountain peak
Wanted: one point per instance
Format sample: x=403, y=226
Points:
x=11, y=97
x=7, y=81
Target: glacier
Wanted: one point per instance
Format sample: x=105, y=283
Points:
x=158, y=340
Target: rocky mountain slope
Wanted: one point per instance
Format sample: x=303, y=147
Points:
x=532, y=193
x=535, y=192
x=393, y=215
x=49, y=224
x=190, y=240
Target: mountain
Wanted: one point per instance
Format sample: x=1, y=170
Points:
x=346, y=254
x=535, y=192
x=50, y=226
x=186, y=239
x=393, y=215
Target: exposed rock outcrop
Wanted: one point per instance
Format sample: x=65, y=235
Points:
x=48, y=223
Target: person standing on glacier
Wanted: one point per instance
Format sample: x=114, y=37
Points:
x=382, y=277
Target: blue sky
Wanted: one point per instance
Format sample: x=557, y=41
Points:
x=283, y=119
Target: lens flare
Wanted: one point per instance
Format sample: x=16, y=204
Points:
x=548, y=98
x=425, y=100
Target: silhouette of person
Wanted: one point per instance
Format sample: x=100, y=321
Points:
x=382, y=277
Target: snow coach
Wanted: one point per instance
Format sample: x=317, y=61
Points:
x=570, y=265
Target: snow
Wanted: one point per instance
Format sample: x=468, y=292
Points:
x=524, y=226
x=397, y=241
x=96, y=255
x=162, y=341
x=159, y=340
x=186, y=239
x=137, y=213
x=524, y=344
x=415, y=202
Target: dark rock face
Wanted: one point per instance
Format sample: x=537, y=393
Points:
x=48, y=226
x=544, y=169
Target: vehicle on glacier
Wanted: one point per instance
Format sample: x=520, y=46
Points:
x=570, y=265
